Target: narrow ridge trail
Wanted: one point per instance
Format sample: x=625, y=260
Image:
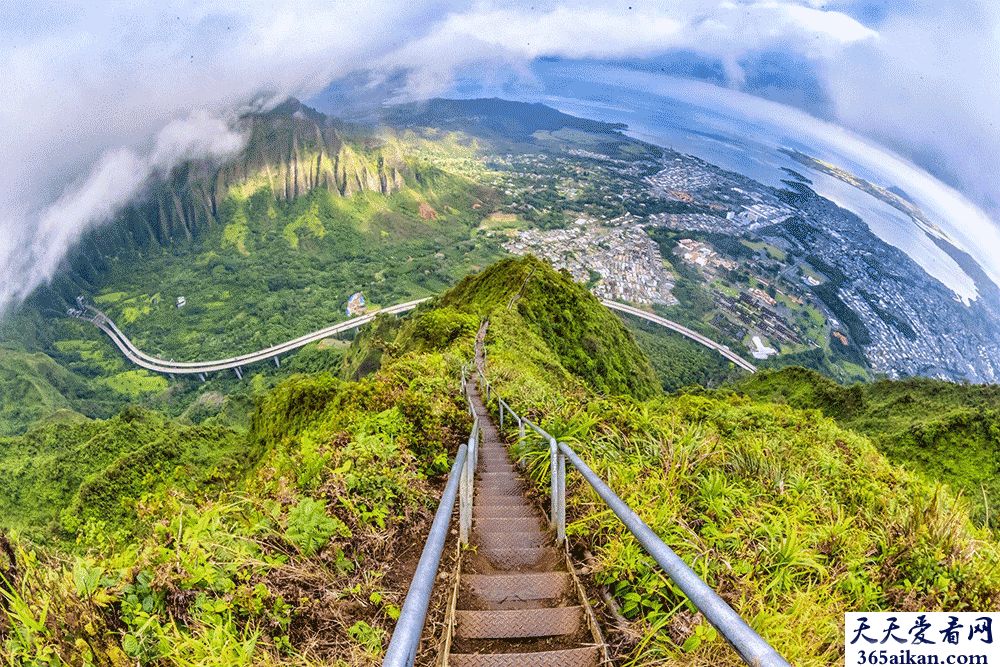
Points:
x=518, y=603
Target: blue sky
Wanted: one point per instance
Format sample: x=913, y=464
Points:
x=100, y=96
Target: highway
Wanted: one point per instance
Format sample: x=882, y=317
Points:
x=133, y=354
x=673, y=326
x=200, y=368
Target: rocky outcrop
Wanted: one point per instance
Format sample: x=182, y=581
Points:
x=293, y=150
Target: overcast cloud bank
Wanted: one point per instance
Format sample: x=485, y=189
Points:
x=101, y=97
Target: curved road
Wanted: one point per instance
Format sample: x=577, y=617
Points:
x=693, y=335
x=136, y=356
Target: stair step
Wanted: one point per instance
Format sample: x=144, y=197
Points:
x=496, y=498
x=491, y=482
x=498, y=588
x=512, y=540
x=501, y=489
x=587, y=656
x=490, y=467
x=519, y=511
x=511, y=558
x=518, y=524
x=518, y=623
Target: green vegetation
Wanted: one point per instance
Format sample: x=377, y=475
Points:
x=792, y=518
x=585, y=337
x=677, y=360
x=72, y=470
x=198, y=546
x=949, y=432
x=33, y=386
x=172, y=544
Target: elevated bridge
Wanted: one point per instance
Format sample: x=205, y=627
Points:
x=132, y=353
x=91, y=314
x=690, y=333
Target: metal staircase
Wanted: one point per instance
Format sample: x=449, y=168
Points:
x=517, y=601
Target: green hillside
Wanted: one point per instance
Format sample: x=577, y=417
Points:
x=292, y=543
x=948, y=431
x=33, y=386
x=563, y=319
x=794, y=519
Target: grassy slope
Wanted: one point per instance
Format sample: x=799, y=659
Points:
x=586, y=339
x=66, y=471
x=292, y=552
x=294, y=556
x=793, y=519
x=34, y=386
x=677, y=360
x=948, y=431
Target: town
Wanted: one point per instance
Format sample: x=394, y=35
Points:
x=787, y=270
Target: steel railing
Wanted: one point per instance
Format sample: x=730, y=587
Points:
x=405, y=639
x=751, y=646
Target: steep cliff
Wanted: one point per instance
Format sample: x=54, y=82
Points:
x=294, y=149
x=291, y=150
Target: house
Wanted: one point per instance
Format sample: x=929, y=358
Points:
x=356, y=304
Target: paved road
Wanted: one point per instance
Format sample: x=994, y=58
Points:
x=693, y=335
x=139, y=358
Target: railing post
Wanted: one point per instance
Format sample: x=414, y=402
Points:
x=561, y=506
x=520, y=439
x=500, y=403
x=554, y=475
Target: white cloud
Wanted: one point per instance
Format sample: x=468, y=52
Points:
x=929, y=87
x=87, y=85
x=605, y=30
x=116, y=178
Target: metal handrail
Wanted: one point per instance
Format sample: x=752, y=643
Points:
x=751, y=646
x=402, y=649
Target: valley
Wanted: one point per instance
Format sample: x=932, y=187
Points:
x=274, y=516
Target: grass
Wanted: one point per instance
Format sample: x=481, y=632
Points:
x=277, y=550
x=945, y=430
x=136, y=383
x=278, y=546
x=793, y=519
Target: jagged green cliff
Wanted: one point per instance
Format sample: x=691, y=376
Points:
x=379, y=185
x=293, y=150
